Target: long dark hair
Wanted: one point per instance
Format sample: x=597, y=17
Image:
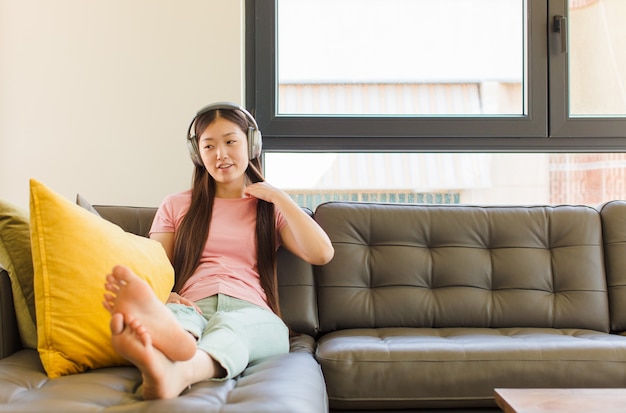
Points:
x=195, y=227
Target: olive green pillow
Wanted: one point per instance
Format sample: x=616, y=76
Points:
x=16, y=258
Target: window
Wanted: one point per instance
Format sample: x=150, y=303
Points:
x=449, y=178
x=499, y=66
x=588, y=69
x=441, y=101
x=374, y=60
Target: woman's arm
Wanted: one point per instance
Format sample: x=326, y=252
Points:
x=167, y=240
x=302, y=235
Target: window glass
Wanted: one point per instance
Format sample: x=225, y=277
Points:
x=446, y=178
x=597, y=57
x=401, y=57
x=439, y=75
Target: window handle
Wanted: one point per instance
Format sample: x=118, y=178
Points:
x=560, y=26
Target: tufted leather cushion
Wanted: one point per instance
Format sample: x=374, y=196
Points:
x=614, y=234
x=462, y=266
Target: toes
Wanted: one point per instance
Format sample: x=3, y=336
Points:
x=117, y=279
x=121, y=274
x=134, y=327
x=117, y=323
x=107, y=306
x=144, y=336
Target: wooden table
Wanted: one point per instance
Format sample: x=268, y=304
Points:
x=561, y=400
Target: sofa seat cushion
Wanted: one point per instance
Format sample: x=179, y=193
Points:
x=287, y=383
x=450, y=367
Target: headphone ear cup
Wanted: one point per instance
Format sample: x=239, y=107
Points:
x=254, y=143
x=194, y=152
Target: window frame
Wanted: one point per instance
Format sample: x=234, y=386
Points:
x=561, y=124
x=545, y=128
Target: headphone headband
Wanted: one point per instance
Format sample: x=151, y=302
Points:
x=254, y=134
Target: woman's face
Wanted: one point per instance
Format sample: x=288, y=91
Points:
x=223, y=148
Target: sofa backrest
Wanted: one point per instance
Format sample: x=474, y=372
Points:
x=136, y=220
x=295, y=277
x=462, y=266
x=614, y=235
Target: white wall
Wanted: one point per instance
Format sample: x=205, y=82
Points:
x=96, y=95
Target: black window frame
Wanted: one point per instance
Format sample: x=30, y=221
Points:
x=546, y=127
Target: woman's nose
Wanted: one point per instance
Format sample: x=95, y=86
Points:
x=221, y=153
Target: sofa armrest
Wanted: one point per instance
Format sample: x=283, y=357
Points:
x=9, y=334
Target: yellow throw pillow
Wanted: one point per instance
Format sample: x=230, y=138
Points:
x=73, y=250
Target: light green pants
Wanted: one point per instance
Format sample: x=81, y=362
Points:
x=233, y=332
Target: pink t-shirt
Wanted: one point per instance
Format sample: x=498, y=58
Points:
x=228, y=263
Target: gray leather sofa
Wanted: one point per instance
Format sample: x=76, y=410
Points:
x=422, y=307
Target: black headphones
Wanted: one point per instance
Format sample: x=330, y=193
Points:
x=254, y=134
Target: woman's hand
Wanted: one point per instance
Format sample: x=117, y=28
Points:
x=174, y=298
x=264, y=191
x=302, y=236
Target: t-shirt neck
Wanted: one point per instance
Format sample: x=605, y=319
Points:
x=244, y=198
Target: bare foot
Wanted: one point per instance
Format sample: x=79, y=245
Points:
x=162, y=378
x=133, y=297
